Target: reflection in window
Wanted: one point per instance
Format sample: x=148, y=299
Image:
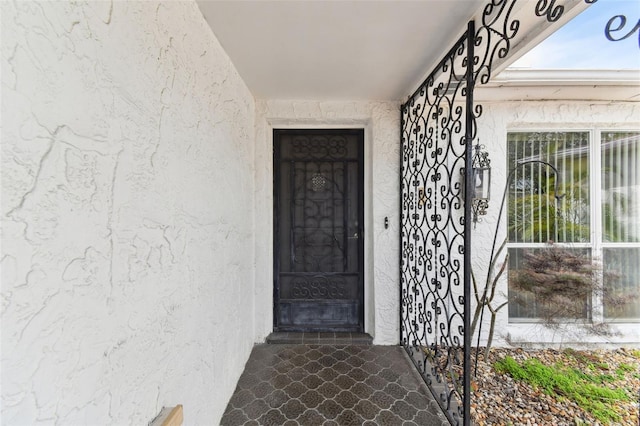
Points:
x=620, y=187
x=526, y=303
x=622, y=278
x=620, y=175
x=607, y=227
x=534, y=215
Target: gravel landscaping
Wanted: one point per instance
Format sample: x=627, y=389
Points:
x=499, y=399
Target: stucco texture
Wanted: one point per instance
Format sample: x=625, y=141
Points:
x=127, y=214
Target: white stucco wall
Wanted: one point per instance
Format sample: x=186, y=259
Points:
x=381, y=123
x=127, y=214
x=497, y=119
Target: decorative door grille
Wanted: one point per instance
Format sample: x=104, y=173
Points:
x=318, y=221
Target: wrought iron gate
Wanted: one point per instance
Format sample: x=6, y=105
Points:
x=437, y=131
x=438, y=128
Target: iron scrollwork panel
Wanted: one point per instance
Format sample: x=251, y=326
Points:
x=436, y=130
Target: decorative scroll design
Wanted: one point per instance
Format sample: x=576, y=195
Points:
x=497, y=28
x=318, y=288
x=437, y=130
x=319, y=147
x=553, y=12
x=493, y=39
x=549, y=9
x=621, y=22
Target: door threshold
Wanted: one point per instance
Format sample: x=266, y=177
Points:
x=299, y=338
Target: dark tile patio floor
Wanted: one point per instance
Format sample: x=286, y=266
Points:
x=331, y=385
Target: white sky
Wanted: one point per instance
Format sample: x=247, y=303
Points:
x=581, y=44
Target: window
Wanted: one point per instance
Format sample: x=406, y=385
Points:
x=591, y=207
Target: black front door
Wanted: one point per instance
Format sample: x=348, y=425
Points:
x=318, y=220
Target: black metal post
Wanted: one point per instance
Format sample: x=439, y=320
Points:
x=400, y=227
x=470, y=131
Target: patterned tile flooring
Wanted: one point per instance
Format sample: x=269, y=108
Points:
x=331, y=385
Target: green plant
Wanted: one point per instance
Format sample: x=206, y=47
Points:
x=595, y=377
x=602, y=366
x=561, y=381
x=582, y=357
x=626, y=367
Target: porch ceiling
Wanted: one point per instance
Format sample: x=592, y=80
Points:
x=360, y=50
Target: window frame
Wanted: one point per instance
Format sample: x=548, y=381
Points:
x=596, y=243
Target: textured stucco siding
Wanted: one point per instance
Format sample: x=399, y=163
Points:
x=381, y=124
x=127, y=214
x=497, y=119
